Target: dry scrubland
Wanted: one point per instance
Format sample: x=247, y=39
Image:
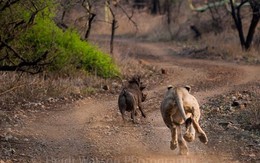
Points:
x=230, y=108
x=221, y=46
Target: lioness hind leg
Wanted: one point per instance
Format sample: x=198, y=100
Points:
x=202, y=136
x=174, y=142
x=182, y=143
x=189, y=135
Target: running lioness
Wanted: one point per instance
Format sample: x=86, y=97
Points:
x=180, y=107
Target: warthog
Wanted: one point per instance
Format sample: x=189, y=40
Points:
x=131, y=97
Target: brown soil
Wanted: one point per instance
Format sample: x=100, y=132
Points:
x=91, y=129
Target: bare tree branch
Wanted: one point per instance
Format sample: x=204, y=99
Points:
x=242, y=3
x=88, y=7
x=32, y=67
x=31, y=20
x=130, y=17
x=8, y=4
x=3, y=58
x=13, y=50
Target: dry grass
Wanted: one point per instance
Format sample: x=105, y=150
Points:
x=23, y=88
x=131, y=59
x=227, y=44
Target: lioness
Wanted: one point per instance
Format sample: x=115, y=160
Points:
x=131, y=97
x=179, y=107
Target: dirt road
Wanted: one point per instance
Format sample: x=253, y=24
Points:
x=91, y=130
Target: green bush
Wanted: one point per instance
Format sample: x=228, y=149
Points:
x=66, y=50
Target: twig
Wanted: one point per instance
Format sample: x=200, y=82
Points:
x=129, y=17
x=8, y=4
x=13, y=50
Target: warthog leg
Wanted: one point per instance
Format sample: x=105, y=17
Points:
x=133, y=115
x=123, y=116
x=141, y=110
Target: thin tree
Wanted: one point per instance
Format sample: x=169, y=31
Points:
x=245, y=41
x=155, y=8
x=114, y=22
x=87, y=5
x=114, y=25
x=66, y=6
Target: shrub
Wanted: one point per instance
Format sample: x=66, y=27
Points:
x=66, y=50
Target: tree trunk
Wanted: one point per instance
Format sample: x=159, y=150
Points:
x=113, y=29
x=167, y=9
x=90, y=20
x=155, y=7
x=245, y=44
x=237, y=19
x=251, y=32
x=253, y=25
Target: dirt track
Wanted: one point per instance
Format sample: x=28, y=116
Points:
x=92, y=129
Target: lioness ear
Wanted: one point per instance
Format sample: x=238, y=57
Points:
x=169, y=87
x=188, y=88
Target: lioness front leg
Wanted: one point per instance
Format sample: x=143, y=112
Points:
x=174, y=142
x=182, y=143
x=202, y=136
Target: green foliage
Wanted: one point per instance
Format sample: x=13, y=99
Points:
x=66, y=50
